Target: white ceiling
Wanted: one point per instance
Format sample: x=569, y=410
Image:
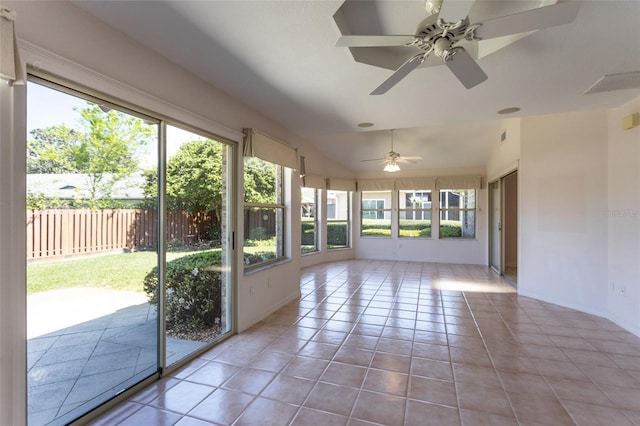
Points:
x=280, y=57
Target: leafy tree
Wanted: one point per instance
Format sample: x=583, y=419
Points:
x=52, y=150
x=194, y=179
x=106, y=150
x=259, y=181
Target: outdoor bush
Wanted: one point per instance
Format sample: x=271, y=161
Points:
x=308, y=233
x=271, y=242
x=193, y=296
x=376, y=232
x=337, y=234
x=450, y=229
x=376, y=224
x=258, y=233
x=414, y=224
x=258, y=257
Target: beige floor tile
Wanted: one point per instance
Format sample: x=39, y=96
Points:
x=596, y=415
x=533, y=409
x=249, y=380
x=379, y=408
x=425, y=414
x=268, y=413
x=378, y=343
x=433, y=390
x=332, y=398
x=479, y=418
x=309, y=417
x=344, y=374
x=222, y=407
x=479, y=398
x=389, y=382
x=292, y=390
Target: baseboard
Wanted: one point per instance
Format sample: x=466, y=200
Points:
x=271, y=309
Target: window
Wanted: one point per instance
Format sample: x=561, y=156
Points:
x=309, y=220
x=375, y=214
x=458, y=213
x=263, y=211
x=414, y=214
x=338, y=223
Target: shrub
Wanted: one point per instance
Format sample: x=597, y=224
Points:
x=193, y=299
x=258, y=257
x=308, y=233
x=337, y=234
x=376, y=224
x=450, y=229
x=376, y=232
x=258, y=233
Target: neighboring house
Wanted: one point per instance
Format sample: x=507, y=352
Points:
x=75, y=186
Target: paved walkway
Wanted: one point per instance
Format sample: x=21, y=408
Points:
x=85, y=346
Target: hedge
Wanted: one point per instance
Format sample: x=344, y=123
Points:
x=193, y=300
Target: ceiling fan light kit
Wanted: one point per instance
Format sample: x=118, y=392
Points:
x=449, y=25
x=392, y=158
x=391, y=167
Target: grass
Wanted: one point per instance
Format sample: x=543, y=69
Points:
x=124, y=271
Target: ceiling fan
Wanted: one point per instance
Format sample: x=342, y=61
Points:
x=392, y=158
x=448, y=25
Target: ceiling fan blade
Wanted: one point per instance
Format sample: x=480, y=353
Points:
x=529, y=20
x=399, y=74
x=466, y=69
x=412, y=158
x=373, y=159
x=455, y=10
x=374, y=40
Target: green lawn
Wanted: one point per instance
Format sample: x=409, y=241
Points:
x=124, y=271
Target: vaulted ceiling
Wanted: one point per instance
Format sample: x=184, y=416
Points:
x=281, y=58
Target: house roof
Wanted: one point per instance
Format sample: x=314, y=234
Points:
x=75, y=185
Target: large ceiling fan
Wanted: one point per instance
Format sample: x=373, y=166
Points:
x=392, y=158
x=448, y=25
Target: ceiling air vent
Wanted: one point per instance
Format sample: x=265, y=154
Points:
x=620, y=81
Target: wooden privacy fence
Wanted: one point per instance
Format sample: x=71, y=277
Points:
x=70, y=232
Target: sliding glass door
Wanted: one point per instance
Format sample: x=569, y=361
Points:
x=128, y=262
x=198, y=280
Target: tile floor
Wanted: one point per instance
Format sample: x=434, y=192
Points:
x=396, y=343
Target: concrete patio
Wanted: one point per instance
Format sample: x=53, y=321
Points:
x=85, y=346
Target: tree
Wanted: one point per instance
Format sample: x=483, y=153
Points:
x=194, y=179
x=259, y=181
x=52, y=150
x=106, y=150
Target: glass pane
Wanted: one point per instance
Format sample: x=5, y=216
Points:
x=196, y=281
x=376, y=223
x=262, y=230
x=458, y=198
x=415, y=213
x=464, y=227
x=415, y=223
x=91, y=240
x=309, y=220
x=338, y=219
x=337, y=205
x=262, y=181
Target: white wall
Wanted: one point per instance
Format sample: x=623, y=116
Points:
x=59, y=38
x=563, y=204
x=504, y=155
x=623, y=219
x=472, y=251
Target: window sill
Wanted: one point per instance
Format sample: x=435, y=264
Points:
x=251, y=269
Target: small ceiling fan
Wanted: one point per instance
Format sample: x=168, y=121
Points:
x=447, y=26
x=392, y=158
